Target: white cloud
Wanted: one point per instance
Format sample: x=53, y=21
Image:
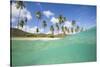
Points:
x=15, y=13
x=29, y=29
x=48, y=13
x=54, y=20
x=68, y=24
x=26, y=13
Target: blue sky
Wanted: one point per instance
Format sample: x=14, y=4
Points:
x=84, y=15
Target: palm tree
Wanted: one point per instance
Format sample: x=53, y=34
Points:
x=73, y=22
x=19, y=5
x=63, y=29
x=38, y=16
x=73, y=25
x=52, y=29
x=66, y=29
x=61, y=20
x=72, y=30
x=64, y=19
x=37, y=30
x=22, y=23
x=57, y=26
x=77, y=28
x=44, y=24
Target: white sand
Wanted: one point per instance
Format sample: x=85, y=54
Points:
x=30, y=38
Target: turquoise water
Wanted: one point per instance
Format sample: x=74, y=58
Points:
x=76, y=48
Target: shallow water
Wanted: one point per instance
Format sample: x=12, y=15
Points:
x=76, y=48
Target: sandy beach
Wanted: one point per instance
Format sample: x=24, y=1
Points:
x=30, y=38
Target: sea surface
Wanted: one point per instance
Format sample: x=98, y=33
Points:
x=80, y=47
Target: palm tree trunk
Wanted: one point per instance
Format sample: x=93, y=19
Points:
x=37, y=24
x=44, y=29
x=59, y=29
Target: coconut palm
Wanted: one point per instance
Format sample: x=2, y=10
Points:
x=66, y=29
x=38, y=16
x=63, y=30
x=37, y=30
x=44, y=24
x=61, y=19
x=64, y=19
x=19, y=5
x=21, y=23
x=71, y=29
x=73, y=22
x=57, y=26
x=52, y=29
x=77, y=28
x=73, y=25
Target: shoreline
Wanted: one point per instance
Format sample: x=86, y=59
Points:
x=30, y=38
